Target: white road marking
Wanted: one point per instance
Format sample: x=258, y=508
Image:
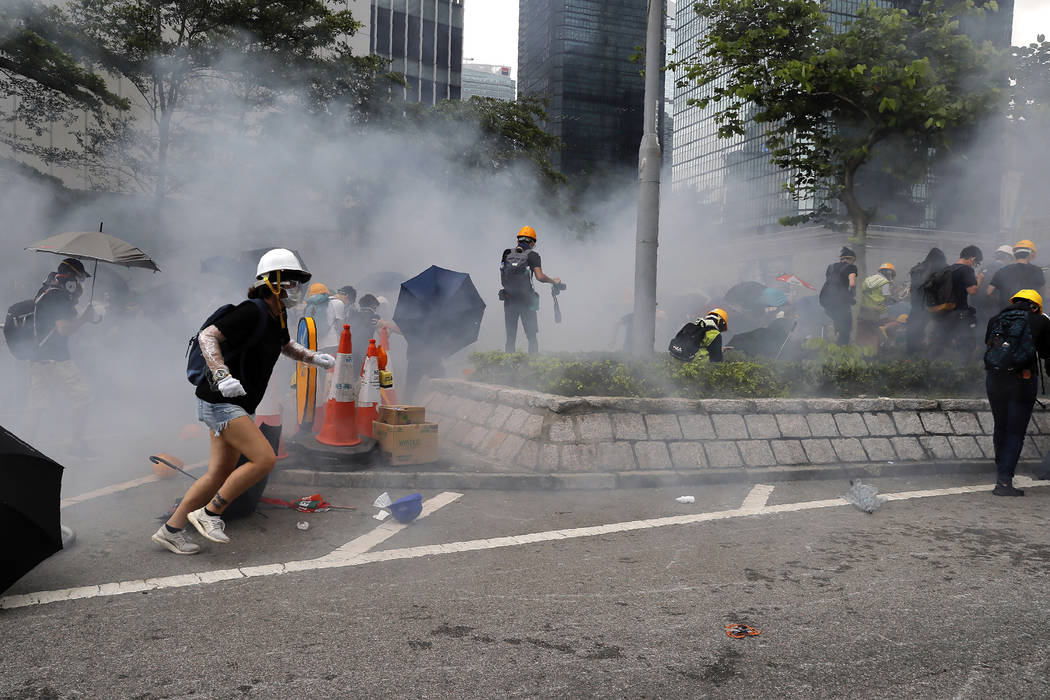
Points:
x=342, y=556
x=756, y=499
x=117, y=488
x=349, y=558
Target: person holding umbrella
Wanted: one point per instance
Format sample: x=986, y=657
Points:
x=229, y=395
x=54, y=379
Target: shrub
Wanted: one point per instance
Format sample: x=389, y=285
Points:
x=832, y=371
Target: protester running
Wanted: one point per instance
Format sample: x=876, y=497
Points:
x=839, y=293
x=227, y=398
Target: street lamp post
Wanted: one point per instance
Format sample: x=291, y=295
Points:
x=648, y=226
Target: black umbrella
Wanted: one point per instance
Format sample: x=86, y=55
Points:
x=441, y=309
x=30, y=489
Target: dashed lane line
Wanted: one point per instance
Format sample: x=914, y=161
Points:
x=350, y=559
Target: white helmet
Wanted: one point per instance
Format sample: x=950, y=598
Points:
x=284, y=261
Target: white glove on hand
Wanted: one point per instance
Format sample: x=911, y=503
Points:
x=230, y=387
x=324, y=360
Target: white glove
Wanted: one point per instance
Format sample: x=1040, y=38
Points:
x=324, y=360
x=230, y=387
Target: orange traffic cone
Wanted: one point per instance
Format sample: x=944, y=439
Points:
x=368, y=397
x=340, y=419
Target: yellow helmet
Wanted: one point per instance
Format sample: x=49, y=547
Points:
x=722, y=316
x=887, y=266
x=527, y=232
x=1029, y=295
x=1024, y=246
x=903, y=318
x=317, y=288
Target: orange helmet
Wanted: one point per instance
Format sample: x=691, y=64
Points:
x=527, y=232
x=1024, y=246
x=887, y=266
x=721, y=316
x=317, y=288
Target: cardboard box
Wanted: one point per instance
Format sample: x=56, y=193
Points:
x=407, y=444
x=402, y=415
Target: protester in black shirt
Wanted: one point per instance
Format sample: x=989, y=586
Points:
x=55, y=381
x=227, y=399
x=1012, y=389
x=919, y=317
x=1020, y=275
x=839, y=293
x=518, y=267
x=955, y=331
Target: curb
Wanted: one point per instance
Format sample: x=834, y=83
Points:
x=394, y=478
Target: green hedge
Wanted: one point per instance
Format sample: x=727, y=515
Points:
x=831, y=372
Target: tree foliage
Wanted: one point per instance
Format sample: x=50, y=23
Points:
x=831, y=98
x=46, y=74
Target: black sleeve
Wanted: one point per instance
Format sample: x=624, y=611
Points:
x=969, y=277
x=1038, y=278
x=714, y=350
x=1041, y=328
x=997, y=279
x=239, y=324
x=534, y=260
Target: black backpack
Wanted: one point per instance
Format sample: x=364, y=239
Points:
x=937, y=290
x=20, y=327
x=515, y=274
x=688, y=341
x=196, y=368
x=1011, y=346
x=836, y=285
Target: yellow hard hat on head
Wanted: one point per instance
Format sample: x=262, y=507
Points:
x=723, y=318
x=318, y=288
x=527, y=232
x=1029, y=295
x=887, y=266
x=1024, y=245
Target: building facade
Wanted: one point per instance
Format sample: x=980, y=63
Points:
x=424, y=40
x=577, y=54
x=734, y=176
x=487, y=80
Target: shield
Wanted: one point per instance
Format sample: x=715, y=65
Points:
x=30, y=490
x=440, y=309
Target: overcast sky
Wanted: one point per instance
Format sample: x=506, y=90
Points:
x=490, y=32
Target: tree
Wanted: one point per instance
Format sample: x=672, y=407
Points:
x=183, y=57
x=831, y=99
x=45, y=68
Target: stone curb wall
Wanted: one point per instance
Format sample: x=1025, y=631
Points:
x=530, y=431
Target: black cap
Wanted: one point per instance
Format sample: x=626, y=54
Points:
x=77, y=266
x=846, y=253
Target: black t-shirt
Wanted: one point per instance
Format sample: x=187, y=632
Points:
x=532, y=259
x=1013, y=278
x=252, y=366
x=837, y=281
x=55, y=305
x=963, y=277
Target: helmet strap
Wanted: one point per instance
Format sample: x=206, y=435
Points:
x=276, y=292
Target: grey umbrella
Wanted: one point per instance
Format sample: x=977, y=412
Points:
x=97, y=246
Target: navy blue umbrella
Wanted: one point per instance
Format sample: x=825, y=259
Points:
x=441, y=309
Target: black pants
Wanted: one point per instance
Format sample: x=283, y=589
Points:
x=512, y=311
x=842, y=316
x=954, y=336
x=918, y=319
x=1012, y=399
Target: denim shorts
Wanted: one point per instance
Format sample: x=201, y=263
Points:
x=217, y=415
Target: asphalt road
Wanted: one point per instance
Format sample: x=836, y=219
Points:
x=941, y=596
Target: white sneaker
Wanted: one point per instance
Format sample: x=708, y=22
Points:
x=210, y=526
x=175, y=541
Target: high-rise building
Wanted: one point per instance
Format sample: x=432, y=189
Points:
x=578, y=55
x=735, y=175
x=485, y=80
x=424, y=40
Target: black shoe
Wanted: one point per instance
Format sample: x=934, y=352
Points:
x=1002, y=489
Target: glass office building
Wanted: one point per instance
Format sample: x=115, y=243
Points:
x=735, y=176
x=578, y=55
x=487, y=80
x=424, y=40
